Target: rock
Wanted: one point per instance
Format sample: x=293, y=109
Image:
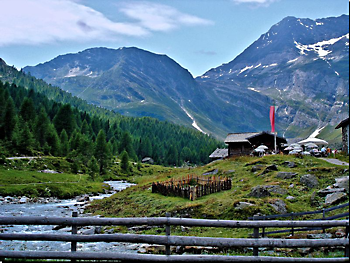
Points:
x=335, y=198
x=133, y=247
x=256, y=168
x=342, y=182
x=151, y=249
x=290, y=198
x=309, y=180
x=87, y=231
x=275, y=189
x=328, y=191
x=340, y=233
x=291, y=186
x=259, y=191
x=49, y=171
x=290, y=164
x=286, y=175
x=270, y=168
x=23, y=200
x=185, y=229
x=212, y=172
x=319, y=236
x=140, y=228
x=279, y=206
x=243, y=205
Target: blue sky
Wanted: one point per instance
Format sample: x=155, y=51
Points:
x=198, y=34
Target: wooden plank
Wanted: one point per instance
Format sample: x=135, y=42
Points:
x=151, y=221
x=181, y=240
x=158, y=258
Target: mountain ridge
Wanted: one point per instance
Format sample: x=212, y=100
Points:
x=300, y=64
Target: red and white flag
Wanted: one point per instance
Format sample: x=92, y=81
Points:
x=272, y=118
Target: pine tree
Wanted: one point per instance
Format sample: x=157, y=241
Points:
x=65, y=120
x=41, y=127
x=93, y=168
x=126, y=145
x=9, y=119
x=124, y=163
x=53, y=141
x=64, y=143
x=27, y=111
x=102, y=154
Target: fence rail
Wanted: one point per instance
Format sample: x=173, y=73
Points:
x=295, y=215
x=168, y=240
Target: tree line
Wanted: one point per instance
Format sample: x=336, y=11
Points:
x=31, y=124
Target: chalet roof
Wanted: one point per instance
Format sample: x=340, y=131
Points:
x=267, y=134
x=343, y=123
x=219, y=153
x=239, y=137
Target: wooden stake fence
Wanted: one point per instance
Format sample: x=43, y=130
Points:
x=192, y=187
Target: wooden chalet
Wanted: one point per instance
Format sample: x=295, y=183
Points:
x=245, y=143
x=345, y=135
x=219, y=154
x=238, y=143
x=267, y=139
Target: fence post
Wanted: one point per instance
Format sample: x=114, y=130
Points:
x=347, y=236
x=255, y=235
x=292, y=226
x=74, y=232
x=323, y=218
x=167, y=230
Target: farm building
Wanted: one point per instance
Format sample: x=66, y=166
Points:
x=245, y=143
x=345, y=134
x=219, y=154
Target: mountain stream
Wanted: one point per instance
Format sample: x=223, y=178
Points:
x=60, y=208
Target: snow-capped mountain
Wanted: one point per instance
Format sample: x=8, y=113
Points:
x=302, y=65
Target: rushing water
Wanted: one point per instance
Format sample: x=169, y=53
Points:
x=63, y=208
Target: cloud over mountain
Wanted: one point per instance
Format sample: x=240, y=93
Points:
x=36, y=22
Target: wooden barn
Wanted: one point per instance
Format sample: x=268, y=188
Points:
x=345, y=135
x=219, y=154
x=245, y=143
x=238, y=143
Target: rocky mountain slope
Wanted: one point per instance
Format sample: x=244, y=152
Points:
x=300, y=64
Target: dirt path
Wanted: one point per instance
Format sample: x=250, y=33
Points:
x=335, y=161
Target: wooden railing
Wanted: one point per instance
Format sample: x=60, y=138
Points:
x=168, y=240
x=294, y=216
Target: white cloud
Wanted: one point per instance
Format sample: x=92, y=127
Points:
x=158, y=17
x=255, y=2
x=33, y=22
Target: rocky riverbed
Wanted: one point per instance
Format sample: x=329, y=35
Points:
x=25, y=206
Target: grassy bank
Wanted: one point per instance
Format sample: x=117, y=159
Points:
x=23, y=178
x=139, y=201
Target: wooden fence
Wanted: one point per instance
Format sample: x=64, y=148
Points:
x=192, y=187
x=294, y=216
x=256, y=242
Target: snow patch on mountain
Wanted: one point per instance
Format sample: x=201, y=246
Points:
x=319, y=48
x=194, y=123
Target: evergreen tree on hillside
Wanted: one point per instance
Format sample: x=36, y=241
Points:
x=126, y=145
x=65, y=120
x=22, y=138
x=9, y=119
x=124, y=163
x=27, y=111
x=102, y=154
x=41, y=128
x=64, y=143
